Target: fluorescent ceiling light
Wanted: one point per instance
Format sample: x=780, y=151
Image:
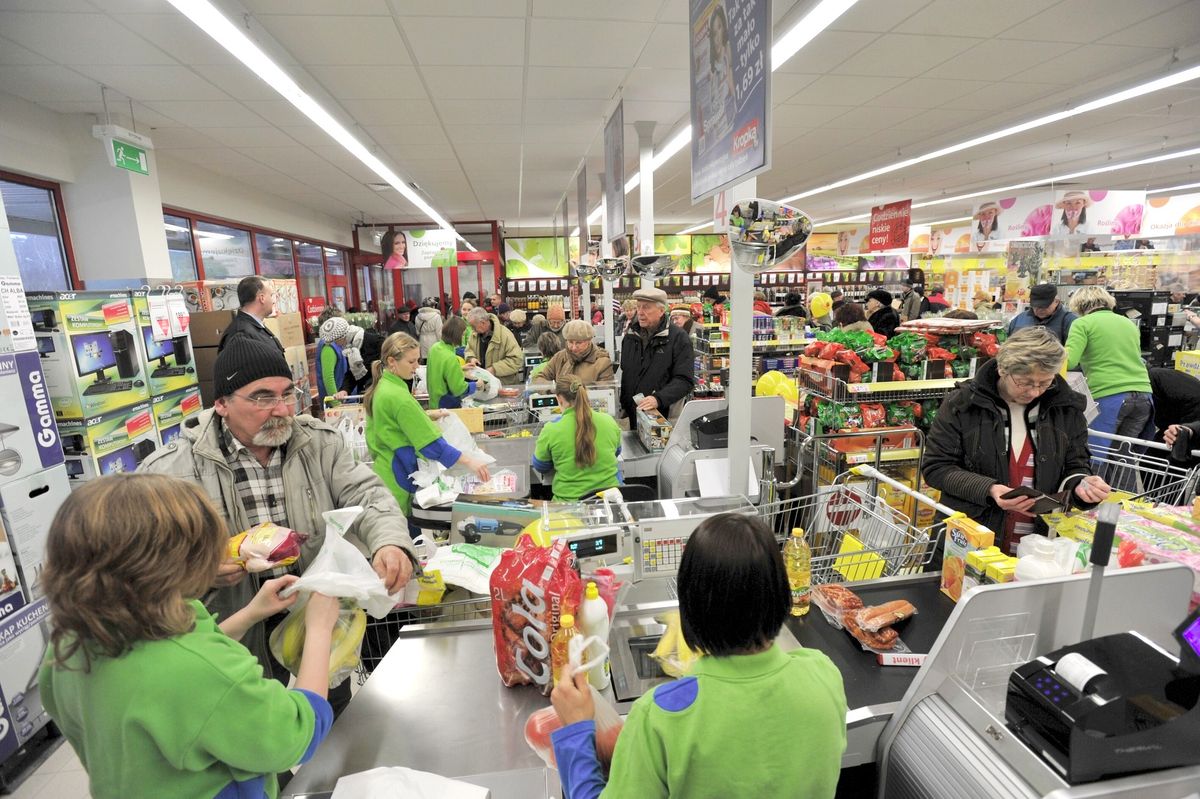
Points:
x=941, y=222
x=695, y=228
x=807, y=29
x=843, y=220
x=1174, y=188
x=1174, y=79
x=215, y=24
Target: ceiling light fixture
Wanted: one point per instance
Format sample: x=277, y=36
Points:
x=695, y=228
x=1174, y=79
x=210, y=20
x=1175, y=188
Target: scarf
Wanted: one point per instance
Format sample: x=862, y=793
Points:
x=584, y=356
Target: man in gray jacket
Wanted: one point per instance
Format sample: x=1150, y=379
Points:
x=260, y=462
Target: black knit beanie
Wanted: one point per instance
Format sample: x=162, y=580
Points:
x=244, y=360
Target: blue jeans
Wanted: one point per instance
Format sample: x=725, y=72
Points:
x=1129, y=414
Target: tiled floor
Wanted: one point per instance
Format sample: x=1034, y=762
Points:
x=60, y=777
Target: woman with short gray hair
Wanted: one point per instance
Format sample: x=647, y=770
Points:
x=1016, y=425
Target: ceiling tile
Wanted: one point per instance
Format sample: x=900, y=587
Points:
x=181, y=138
x=177, y=35
x=547, y=83
x=458, y=8
x=80, y=38
x=877, y=17
x=237, y=80
x=1081, y=21
x=381, y=82
x=466, y=41
x=208, y=114
x=569, y=111
x=224, y=159
x=47, y=82
x=1078, y=65
x=666, y=114
x=580, y=133
x=784, y=85
x=252, y=137
x=657, y=84
x=338, y=40
x=279, y=113
x=1178, y=27
x=1001, y=95
x=995, y=59
x=484, y=134
x=474, y=83
x=14, y=54
x=962, y=17
x=931, y=93
x=827, y=51
x=388, y=135
x=319, y=7
x=308, y=135
x=807, y=116
x=65, y=6
x=843, y=90
x=402, y=112
x=558, y=43
x=904, y=55
x=161, y=82
x=624, y=10
x=498, y=112
x=667, y=47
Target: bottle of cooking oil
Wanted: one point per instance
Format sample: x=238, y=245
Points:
x=797, y=558
x=560, y=646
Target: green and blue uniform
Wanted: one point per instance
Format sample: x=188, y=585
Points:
x=331, y=370
x=771, y=724
x=397, y=431
x=444, y=376
x=555, y=450
x=185, y=716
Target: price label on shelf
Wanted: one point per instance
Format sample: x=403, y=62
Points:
x=859, y=388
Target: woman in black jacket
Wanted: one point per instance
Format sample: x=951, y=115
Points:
x=883, y=317
x=1017, y=423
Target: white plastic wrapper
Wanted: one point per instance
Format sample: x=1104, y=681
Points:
x=468, y=566
x=391, y=781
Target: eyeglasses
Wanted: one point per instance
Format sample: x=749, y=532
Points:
x=1029, y=385
x=266, y=402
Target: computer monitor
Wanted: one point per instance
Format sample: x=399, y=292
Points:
x=93, y=354
x=74, y=468
x=168, y=434
x=157, y=349
x=122, y=461
x=45, y=345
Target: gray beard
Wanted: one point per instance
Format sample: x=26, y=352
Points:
x=273, y=437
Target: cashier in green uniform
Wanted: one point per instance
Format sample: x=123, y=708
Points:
x=580, y=446
x=444, y=371
x=398, y=429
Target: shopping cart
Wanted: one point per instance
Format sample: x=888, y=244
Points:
x=382, y=633
x=854, y=532
x=1142, y=468
x=349, y=417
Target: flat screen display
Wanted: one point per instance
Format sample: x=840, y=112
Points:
x=156, y=349
x=169, y=434
x=594, y=547
x=45, y=345
x=93, y=352
x=1191, y=635
x=121, y=461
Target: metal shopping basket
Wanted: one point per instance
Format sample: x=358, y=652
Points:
x=382, y=633
x=854, y=532
x=1141, y=468
x=349, y=417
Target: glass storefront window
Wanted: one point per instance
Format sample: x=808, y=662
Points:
x=274, y=256
x=312, y=269
x=335, y=261
x=36, y=238
x=225, y=251
x=179, y=247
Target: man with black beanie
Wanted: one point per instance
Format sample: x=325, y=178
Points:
x=260, y=462
x=257, y=298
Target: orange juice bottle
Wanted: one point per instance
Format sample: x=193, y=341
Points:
x=560, y=646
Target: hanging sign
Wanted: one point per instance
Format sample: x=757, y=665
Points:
x=730, y=92
x=435, y=248
x=1172, y=216
x=614, y=175
x=889, y=226
x=125, y=148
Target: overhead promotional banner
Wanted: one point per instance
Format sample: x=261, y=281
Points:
x=1172, y=216
x=1005, y=218
x=581, y=213
x=1097, y=213
x=846, y=241
x=614, y=175
x=430, y=248
x=730, y=92
x=944, y=240
x=537, y=256
x=889, y=226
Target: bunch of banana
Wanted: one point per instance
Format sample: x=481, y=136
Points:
x=287, y=641
x=672, y=653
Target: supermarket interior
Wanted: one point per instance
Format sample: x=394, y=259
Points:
x=549, y=398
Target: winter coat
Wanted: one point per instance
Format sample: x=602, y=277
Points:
x=319, y=474
x=967, y=449
x=504, y=355
x=1059, y=323
x=429, y=329
x=885, y=321
x=400, y=326
x=245, y=324
x=595, y=366
x=910, y=306
x=662, y=366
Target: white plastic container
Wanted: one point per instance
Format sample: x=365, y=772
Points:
x=1040, y=563
x=593, y=618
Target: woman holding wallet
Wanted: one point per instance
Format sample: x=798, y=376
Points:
x=1012, y=433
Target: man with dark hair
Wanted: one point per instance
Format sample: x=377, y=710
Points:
x=257, y=298
x=1046, y=310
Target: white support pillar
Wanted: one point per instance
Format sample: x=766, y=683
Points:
x=645, y=132
x=741, y=351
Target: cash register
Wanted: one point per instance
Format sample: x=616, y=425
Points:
x=1113, y=705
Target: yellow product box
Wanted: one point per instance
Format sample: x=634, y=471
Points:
x=1003, y=570
x=1188, y=362
x=963, y=536
x=977, y=563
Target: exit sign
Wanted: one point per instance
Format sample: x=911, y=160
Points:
x=129, y=156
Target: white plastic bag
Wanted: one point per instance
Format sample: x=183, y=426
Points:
x=340, y=570
x=433, y=475
x=390, y=781
x=487, y=385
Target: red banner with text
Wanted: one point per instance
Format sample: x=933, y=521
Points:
x=889, y=226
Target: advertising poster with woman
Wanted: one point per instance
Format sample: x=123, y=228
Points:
x=730, y=80
x=1002, y=219
x=1098, y=213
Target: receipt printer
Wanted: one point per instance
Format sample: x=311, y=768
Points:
x=1109, y=706
x=711, y=431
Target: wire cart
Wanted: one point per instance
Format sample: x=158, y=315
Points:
x=1142, y=468
x=349, y=417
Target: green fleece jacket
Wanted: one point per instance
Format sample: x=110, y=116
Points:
x=1109, y=349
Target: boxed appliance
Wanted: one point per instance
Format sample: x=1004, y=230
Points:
x=167, y=361
x=208, y=327
x=28, y=506
x=24, y=639
x=111, y=443
x=12, y=598
x=29, y=439
x=89, y=353
x=171, y=412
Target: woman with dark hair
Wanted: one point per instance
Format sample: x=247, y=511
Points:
x=852, y=317
x=733, y=600
x=793, y=305
x=394, y=247
x=883, y=317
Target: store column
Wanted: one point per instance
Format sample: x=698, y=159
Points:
x=115, y=214
x=645, y=132
x=741, y=350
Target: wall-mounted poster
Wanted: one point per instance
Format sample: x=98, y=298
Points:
x=730, y=91
x=710, y=253
x=1172, y=216
x=430, y=248
x=1097, y=213
x=538, y=256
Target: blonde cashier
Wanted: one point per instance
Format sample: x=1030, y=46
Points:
x=580, y=446
x=398, y=430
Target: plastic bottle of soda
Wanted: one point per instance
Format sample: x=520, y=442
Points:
x=560, y=646
x=797, y=558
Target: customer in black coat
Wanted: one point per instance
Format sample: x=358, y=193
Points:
x=656, y=358
x=971, y=445
x=257, y=299
x=883, y=317
x=1176, y=404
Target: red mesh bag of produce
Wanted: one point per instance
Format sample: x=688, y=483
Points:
x=531, y=588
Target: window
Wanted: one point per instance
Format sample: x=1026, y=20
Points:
x=36, y=238
x=335, y=261
x=312, y=269
x=274, y=256
x=225, y=251
x=179, y=247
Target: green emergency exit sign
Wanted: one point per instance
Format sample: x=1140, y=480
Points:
x=130, y=157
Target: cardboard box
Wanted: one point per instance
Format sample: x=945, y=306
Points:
x=29, y=438
x=205, y=358
x=28, y=506
x=291, y=329
x=207, y=328
x=12, y=598
x=89, y=351
x=171, y=411
x=207, y=395
x=24, y=639
x=111, y=443
x=168, y=363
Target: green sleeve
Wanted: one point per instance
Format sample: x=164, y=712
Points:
x=1076, y=343
x=541, y=450
x=639, y=766
x=328, y=371
x=451, y=372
